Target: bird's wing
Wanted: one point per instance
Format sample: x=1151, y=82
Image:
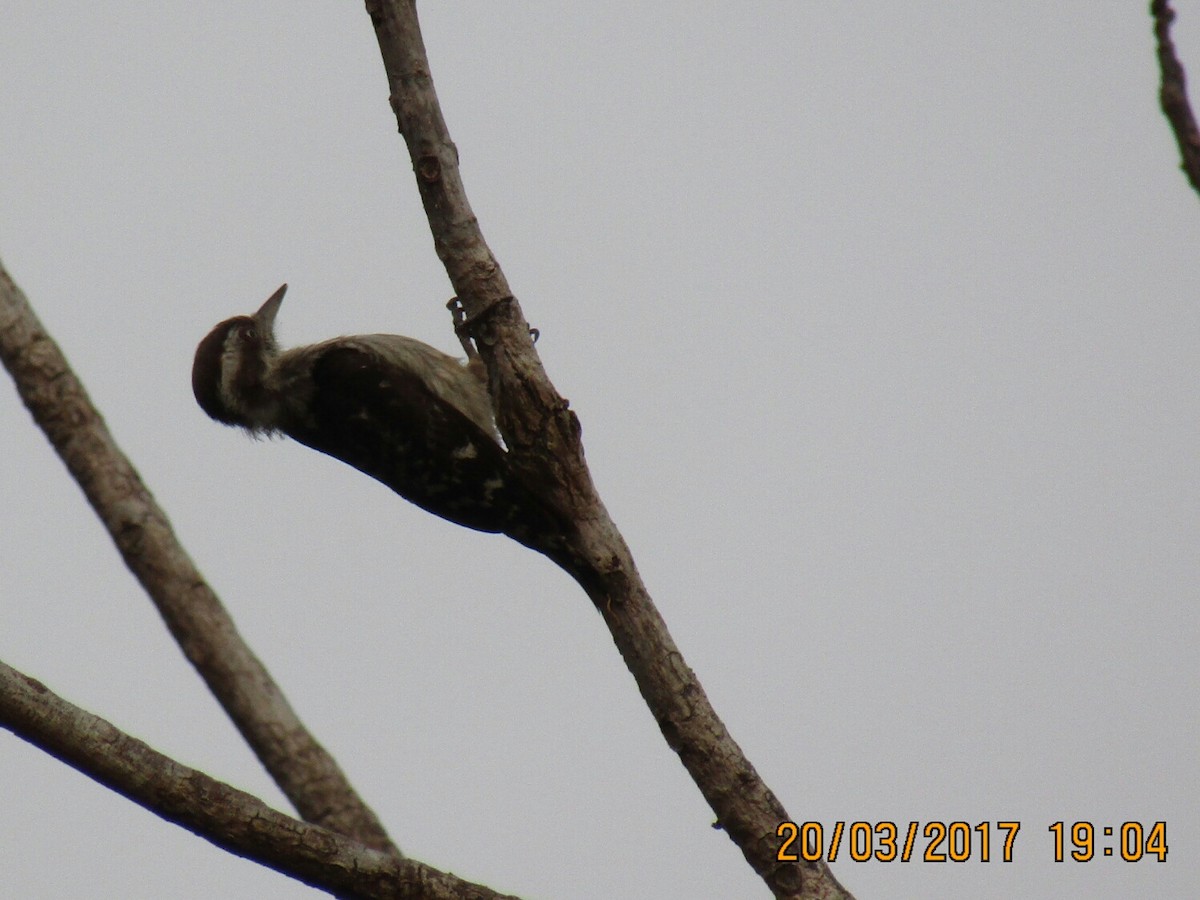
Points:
x=382, y=419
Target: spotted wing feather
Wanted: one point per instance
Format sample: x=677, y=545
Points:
x=384, y=421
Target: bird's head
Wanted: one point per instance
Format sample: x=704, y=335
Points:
x=230, y=374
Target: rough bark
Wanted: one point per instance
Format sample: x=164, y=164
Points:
x=303, y=769
x=543, y=435
x=229, y=818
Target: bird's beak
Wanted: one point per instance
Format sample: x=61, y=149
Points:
x=267, y=312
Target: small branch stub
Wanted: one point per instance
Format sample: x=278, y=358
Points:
x=429, y=169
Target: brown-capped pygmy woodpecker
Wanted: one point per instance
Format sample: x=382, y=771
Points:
x=404, y=413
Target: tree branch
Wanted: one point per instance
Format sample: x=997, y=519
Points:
x=303, y=769
x=222, y=815
x=1172, y=96
x=543, y=437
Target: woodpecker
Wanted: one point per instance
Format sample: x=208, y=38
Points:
x=392, y=407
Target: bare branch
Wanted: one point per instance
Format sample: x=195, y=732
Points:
x=1173, y=93
x=544, y=438
x=304, y=771
x=223, y=815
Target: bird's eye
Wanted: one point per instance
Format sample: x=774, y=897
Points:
x=250, y=333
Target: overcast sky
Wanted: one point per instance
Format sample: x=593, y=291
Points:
x=882, y=324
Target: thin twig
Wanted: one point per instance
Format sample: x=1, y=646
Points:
x=543, y=437
x=1173, y=93
x=304, y=771
x=223, y=815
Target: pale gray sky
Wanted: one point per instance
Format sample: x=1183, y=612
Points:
x=882, y=323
